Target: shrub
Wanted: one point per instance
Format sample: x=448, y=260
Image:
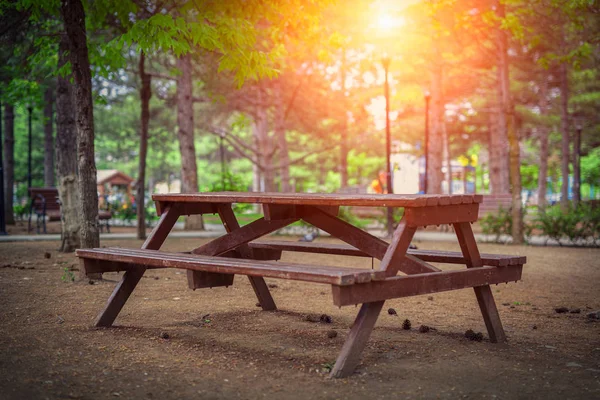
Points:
x=501, y=222
x=578, y=225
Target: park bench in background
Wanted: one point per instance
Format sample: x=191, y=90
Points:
x=493, y=202
x=45, y=204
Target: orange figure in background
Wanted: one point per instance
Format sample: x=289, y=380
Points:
x=378, y=185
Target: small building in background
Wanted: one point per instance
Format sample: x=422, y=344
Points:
x=114, y=183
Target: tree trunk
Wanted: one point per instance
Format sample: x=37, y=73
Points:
x=543, y=171
x=508, y=116
x=435, y=158
x=145, y=94
x=9, y=163
x=185, y=134
x=74, y=19
x=284, y=156
x=564, y=120
x=543, y=137
x=48, y=139
x=66, y=158
x=343, y=129
x=498, y=149
x=447, y=156
x=265, y=147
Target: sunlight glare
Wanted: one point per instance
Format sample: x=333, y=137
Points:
x=387, y=22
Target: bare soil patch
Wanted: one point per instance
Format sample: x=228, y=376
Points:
x=170, y=342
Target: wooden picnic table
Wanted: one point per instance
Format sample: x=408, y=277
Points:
x=402, y=271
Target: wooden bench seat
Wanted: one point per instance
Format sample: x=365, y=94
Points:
x=450, y=257
x=119, y=259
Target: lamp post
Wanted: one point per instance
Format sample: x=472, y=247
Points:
x=427, y=96
x=577, y=164
x=222, y=151
x=2, y=211
x=30, y=110
x=385, y=60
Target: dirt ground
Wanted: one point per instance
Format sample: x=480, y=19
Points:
x=21, y=227
x=172, y=343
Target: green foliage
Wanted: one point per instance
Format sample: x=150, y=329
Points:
x=345, y=214
x=577, y=225
x=232, y=183
x=500, y=223
x=67, y=275
x=123, y=211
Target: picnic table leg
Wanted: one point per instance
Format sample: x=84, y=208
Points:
x=484, y=295
x=131, y=278
x=258, y=283
x=357, y=339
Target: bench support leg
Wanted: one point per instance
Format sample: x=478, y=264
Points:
x=262, y=293
x=357, y=340
x=258, y=283
x=484, y=295
x=119, y=297
x=131, y=278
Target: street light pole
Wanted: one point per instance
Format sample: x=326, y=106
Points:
x=2, y=210
x=427, y=98
x=222, y=151
x=30, y=109
x=388, y=150
x=577, y=165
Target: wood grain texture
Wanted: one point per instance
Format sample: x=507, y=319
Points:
x=240, y=236
x=321, y=199
x=449, y=257
x=357, y=340
x=437, y=215
x=394, y=258
x=346, y=232
x=143, y=259
x=418, y=284
x=261, y=290
x=131, y=278
x=484, y=295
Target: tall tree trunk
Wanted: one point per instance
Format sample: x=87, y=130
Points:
x=264, y=145
x=435, y=159
x=564, y=122
x=66, y=157
x=508, y=116
x=9, y=163
x=74, y=19
x=48, y=139
x=498, y=149
x=185, y=133
x=543, y=172
x=284, y=156
x=543, y=137
x=577, y=167
x=145, y=94
x=343, y=129
x=447, y=156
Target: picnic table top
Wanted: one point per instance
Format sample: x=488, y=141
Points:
x=322, y=199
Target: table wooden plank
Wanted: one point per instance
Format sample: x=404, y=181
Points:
x=342, y=249
x=320, y=199
x=418, y=284
x=271, y=269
